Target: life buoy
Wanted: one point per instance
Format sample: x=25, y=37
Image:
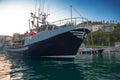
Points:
x=32, y=33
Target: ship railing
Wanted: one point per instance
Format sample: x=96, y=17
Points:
x=75, y=21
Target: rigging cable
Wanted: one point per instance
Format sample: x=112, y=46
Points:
x=80, y=15
x=59, y=10
x=77, y=12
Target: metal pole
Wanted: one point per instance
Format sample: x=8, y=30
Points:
x=29, y=24
x=71, y=13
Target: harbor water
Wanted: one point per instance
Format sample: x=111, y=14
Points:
x=105, y=66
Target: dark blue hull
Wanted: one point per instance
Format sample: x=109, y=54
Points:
x=61, y=45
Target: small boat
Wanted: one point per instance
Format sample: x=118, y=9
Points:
x=61, y=38
x=90, y=50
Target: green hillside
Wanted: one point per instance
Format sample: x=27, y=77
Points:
x=101, y=38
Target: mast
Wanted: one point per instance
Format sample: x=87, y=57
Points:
x=29, y=24
x=35, y=6
x=71, y=13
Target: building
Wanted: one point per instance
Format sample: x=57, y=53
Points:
x=117, y=44
x=96, y=27
x=107, y=28
x=5, y=41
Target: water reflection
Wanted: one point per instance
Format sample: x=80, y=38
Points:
x=5, y=68
x=104, y=66
x=100, y=67
x=18, y=69
x=46, y=70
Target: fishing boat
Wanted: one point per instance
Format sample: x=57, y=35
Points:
x=60, y=38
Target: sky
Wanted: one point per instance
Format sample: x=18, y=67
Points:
x=14, y=14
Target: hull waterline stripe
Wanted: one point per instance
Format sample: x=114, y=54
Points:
x=63, y=56
x=18, y=49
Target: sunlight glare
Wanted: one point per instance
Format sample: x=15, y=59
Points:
x=14, y=19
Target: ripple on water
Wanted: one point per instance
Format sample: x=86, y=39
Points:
x=85, y=67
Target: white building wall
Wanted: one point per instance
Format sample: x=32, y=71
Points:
x=117, y=44
x=96, y=27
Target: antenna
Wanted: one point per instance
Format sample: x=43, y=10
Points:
x=48, y=8
x=35, y=6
